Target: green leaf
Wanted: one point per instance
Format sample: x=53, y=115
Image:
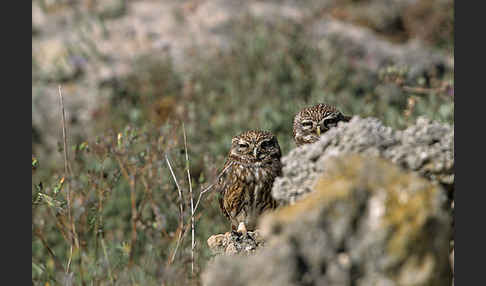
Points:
x=35, y=163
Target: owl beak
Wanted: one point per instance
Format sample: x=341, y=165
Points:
x=318, y=130
x=255, y=152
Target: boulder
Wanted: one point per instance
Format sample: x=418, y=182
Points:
x=366, y=222
x=426, y=148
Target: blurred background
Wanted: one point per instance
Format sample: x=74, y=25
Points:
x=136, y=75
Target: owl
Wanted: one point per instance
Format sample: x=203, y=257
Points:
x=245, y=185
x=315, y=120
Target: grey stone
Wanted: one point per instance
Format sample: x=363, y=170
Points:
x=232, y=243
x=367, y=222
x=426, y=148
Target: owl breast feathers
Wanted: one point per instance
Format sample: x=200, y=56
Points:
x=245, y=186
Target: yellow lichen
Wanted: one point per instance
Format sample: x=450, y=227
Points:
x=408, y=198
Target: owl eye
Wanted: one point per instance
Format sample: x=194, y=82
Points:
x=243, y=145
x=307, y=123
x=332, y=122
x=266, y=144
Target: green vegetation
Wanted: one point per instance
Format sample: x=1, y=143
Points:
x=121, y=222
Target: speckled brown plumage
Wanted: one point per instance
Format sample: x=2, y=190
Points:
x=245, y=187
x=315, y=120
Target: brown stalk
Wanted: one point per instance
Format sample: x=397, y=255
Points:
x=67, y=172
x=40, y=235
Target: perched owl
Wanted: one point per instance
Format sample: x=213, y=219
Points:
x=245, y=187
x=313, y=121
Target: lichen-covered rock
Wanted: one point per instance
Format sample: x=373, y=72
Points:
x=232, y=243
x=426, y=148
x=367, y=222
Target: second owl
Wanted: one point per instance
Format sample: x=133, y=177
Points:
x=315, y=120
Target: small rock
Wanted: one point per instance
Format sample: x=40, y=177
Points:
x=234, y=243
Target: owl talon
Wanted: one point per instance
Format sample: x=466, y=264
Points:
x=242, y=228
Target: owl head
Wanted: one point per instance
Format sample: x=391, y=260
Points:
x=255, y=146
x=313, y=121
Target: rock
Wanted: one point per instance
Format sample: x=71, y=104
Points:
x=367, y=222
x=231, y=243
x=426, y=148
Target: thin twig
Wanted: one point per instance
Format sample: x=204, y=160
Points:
x=181, y=210
x=39, y=234
x=99, y=232
x=192, y=200
x=193, y=209
x=212, y=185
x=64, y=133
x=179, y=239
x=424, y=90
x=106, y=258
x=67, y=170
x=181, y=205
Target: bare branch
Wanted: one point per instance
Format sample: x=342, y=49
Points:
x=192, y=200
x=211, y=186
x=181, y=205
x=39, y=234
x=181, y=209
x=182, y=230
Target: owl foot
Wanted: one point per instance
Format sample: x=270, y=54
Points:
x=242, y=228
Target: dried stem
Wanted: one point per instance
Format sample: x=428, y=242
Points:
x=211, y=186
x=99, y=232
x=67, y=171
x=64, y=134
x=181, y=200
x=179, y=239
x=192, y=201
x=181, y=209
x=425, y=91
x=193, y=207
x=39, y=234
x=106, y=258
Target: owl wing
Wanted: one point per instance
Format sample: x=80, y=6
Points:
x=222, y=188
x=232, y=193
